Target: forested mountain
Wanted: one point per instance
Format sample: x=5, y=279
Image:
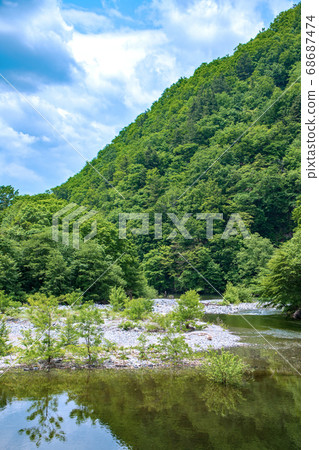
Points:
x=175, y=158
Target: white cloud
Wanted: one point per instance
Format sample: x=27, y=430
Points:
x=276, y=6
x=114, y=63
x=19, y=172
x=109, y=74
x=86, y=21
x=17, y=142
x=201, y=30
x=16, y=152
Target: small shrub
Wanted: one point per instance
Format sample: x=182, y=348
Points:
x=173, y=348
x=122, y=354
x=127, y=325
x=142, y=347
x=118, y=298
x=73, y=299
x=189, y=309
x=245, y=295
x=164, y=321
x=112, y=315
x=149, y=292
x=110, y=346
x=5, y=346
x=90, y=329
x=231, y=294
x=153, y=327
x=28, y=352
x=237, y=294
x=7, y=305
x=69, y=334
x=137, y=308
x=224, y=368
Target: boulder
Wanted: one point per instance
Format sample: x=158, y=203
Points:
x=297, y=314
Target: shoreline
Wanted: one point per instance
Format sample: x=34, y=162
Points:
x=211, y=337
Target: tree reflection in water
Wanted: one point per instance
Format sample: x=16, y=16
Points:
x=222, y=400
x=155, y=409
x=48, y=426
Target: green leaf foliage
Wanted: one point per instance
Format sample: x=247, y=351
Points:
x=5, y=345
x=237, y=294
x=137, y=308
x=44, y=344
x=189, y=310
x=281, y=280
x=225, y=140
x=90, y=329
x=225, y=368
x=173, y=348
x=118, y=298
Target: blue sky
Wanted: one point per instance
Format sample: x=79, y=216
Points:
x=89, y=67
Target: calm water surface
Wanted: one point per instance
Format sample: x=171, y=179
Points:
x=167, y=409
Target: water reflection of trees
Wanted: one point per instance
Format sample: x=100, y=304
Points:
x=5, y=400
x=222, y=400
x=161, y=409
x=48, y=425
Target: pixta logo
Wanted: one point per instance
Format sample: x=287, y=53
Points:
x=234, y=225
x=76, y=224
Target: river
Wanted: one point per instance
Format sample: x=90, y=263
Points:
x=164, y=409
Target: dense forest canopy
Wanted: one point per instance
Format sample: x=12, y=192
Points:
x=175, y=158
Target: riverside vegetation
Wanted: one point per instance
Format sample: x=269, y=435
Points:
x=60, y=307
x=154, y=161
x=73, y=336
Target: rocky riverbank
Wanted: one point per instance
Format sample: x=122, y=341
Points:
x=163, y=306
x=126, y=341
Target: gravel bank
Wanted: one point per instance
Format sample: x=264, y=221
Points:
x=163, y=306
x=211, y=337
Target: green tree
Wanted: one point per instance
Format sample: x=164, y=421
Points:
x=237, y=294
x=57, y=275
x=159, y=269
x=281, y=281
x=137, y=308
x=5, y=346
x=189, y=310
x=174, y=348
x=43, y=266
x=43, y=314
x=69, y=334
x=10, y=262
x=90, y=329
x=224, y=368
x=8, y=306
x=231, y=295
x=7, y=194
x=118, y=298
x=92, y=268
x=250, y=259
x=202, y=259
x=245, y=66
